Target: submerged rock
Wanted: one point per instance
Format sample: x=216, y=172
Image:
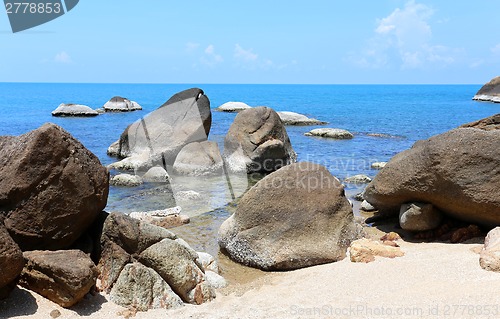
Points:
x=232, y=107
x=490, y=92
x=120, y=104
x=358, y=179
x=199, y=159
x=257, y=141
x=74, y=110
x=378, y=165
x=52, y=188
x=292, y=118
x=295, y=217
x=334, y=133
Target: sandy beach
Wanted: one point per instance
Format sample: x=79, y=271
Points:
x=432, y=280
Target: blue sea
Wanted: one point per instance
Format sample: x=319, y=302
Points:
x=402, y=114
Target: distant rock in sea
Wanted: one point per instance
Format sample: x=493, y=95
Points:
x=232, y=107
x=490, y=92
x=292, y=118
x=74, y=110
x=121, y=104
x=334, y=133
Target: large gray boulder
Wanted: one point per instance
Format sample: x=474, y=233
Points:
x=11, y=262
x=456, y=171
x=146, y=266
x=157, y=138
x=199, y=159
x=51, y=188
x=76, y=110
x=141, y=288
x=419, y=217
x=490, y=92
x=63, y=276
x=121, y=104
x=295, y=217
x=257, y=141
x=292, y=118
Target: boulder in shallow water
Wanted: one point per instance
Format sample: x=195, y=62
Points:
x=456, y=172
x=295, y=217
x=126, y=180
x=156, y=174
x=121, y=104
x=232, y=107
x=378, y=165
x=490, y=92
x=334, y=133
x=358, y=179
x=52, y=188
x=156, y=139
x=199, y=159
x=292, y=118
x=76, y=110
x=257, y=141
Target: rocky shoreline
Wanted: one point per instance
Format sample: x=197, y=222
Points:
x=54, y=191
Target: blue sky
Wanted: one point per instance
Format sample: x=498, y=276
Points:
x=273, y=41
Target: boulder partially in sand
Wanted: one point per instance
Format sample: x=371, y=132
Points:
x=76, y=110
x=419, y=217
x=490, y=92
x=177, y=265
x=11, y=262
x=156, y=139
x=257, y=141
x=490, y=255
x=292, y=118
x=457, y=172
x=334, y=133
x=63, y=276
x=121, y=104
x=52, y=188
x=127, y=242
x=295, y=217
x=141, y=288
x=199, y=159
x=232, y=107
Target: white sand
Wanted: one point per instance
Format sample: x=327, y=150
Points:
x=433, y=280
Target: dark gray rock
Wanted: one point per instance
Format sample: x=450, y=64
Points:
x=419, y=217
x=52, y=188
x=295, y=217
x=257, y=141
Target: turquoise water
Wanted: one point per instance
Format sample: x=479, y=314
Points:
x=404, y=113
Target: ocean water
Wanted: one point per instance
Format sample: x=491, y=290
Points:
x=403, y=114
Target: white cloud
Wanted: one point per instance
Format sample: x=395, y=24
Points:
x=63, y=57
x=405, y=36
x=496, y=49
x=211, y=58
x=244, y=55
x=192, y=46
